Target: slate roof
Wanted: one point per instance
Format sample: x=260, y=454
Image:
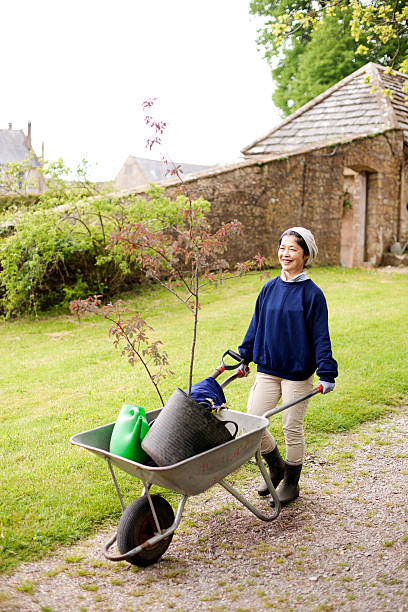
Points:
x=155, y=170
x=348, y=109
x=13, y=148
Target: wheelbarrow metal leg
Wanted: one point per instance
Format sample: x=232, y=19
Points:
x=115, y=482
x=248, y=504
x=267, y=478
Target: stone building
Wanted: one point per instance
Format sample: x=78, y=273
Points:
x=338, y=165
x=139, y=171
x=15, y=146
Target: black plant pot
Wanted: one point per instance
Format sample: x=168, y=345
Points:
x=183, y=429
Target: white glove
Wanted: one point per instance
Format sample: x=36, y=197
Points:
x=327, y=386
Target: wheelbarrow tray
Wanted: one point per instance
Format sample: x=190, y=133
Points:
x=195, y=474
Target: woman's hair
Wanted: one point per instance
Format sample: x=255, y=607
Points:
x=299, y=240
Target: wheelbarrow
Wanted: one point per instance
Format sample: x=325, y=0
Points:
x=147, y=525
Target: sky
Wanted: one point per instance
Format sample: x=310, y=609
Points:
x=80, y=70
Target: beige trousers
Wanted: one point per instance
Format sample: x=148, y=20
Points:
x=265, y=394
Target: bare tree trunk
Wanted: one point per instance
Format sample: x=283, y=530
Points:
x=190, y=375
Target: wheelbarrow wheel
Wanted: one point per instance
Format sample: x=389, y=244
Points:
x=137, y=525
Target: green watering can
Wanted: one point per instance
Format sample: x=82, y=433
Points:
x=130, y=428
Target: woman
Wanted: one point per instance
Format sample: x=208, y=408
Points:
x=288, y=338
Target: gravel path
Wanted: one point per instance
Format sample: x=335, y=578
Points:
x=342, y=546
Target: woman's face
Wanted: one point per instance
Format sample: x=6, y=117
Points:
x=291, y=257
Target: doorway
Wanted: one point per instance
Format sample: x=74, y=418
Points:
x=353, y=231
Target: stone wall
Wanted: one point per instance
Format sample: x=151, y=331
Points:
x=270, y=194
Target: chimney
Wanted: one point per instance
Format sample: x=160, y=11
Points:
x=10, y=126
x=28, y=137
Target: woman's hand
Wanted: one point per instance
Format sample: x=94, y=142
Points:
x=327, y=386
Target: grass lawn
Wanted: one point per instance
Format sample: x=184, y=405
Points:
x=58, y=377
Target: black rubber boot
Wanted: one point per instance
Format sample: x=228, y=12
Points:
x=289, y=489
x=276, y=470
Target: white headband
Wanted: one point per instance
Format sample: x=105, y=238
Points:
x=309, y=239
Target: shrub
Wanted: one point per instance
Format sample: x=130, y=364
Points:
x=58, y=253
x=14, y=201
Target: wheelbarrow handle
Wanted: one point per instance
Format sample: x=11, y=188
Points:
x=297, y=400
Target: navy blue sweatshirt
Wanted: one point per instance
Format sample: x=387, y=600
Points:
x=288, y=335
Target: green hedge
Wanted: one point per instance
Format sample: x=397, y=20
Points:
x=55, y=255
x=17, y=201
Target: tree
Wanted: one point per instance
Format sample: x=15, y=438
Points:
x=184, y=256
x=316, y=44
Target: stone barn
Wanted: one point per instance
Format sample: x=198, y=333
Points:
x=140, y=170
x=338, y=166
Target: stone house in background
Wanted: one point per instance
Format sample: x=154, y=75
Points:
x=375, y=197
x=139, y=171
x=15, y=146
x=338, y=165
